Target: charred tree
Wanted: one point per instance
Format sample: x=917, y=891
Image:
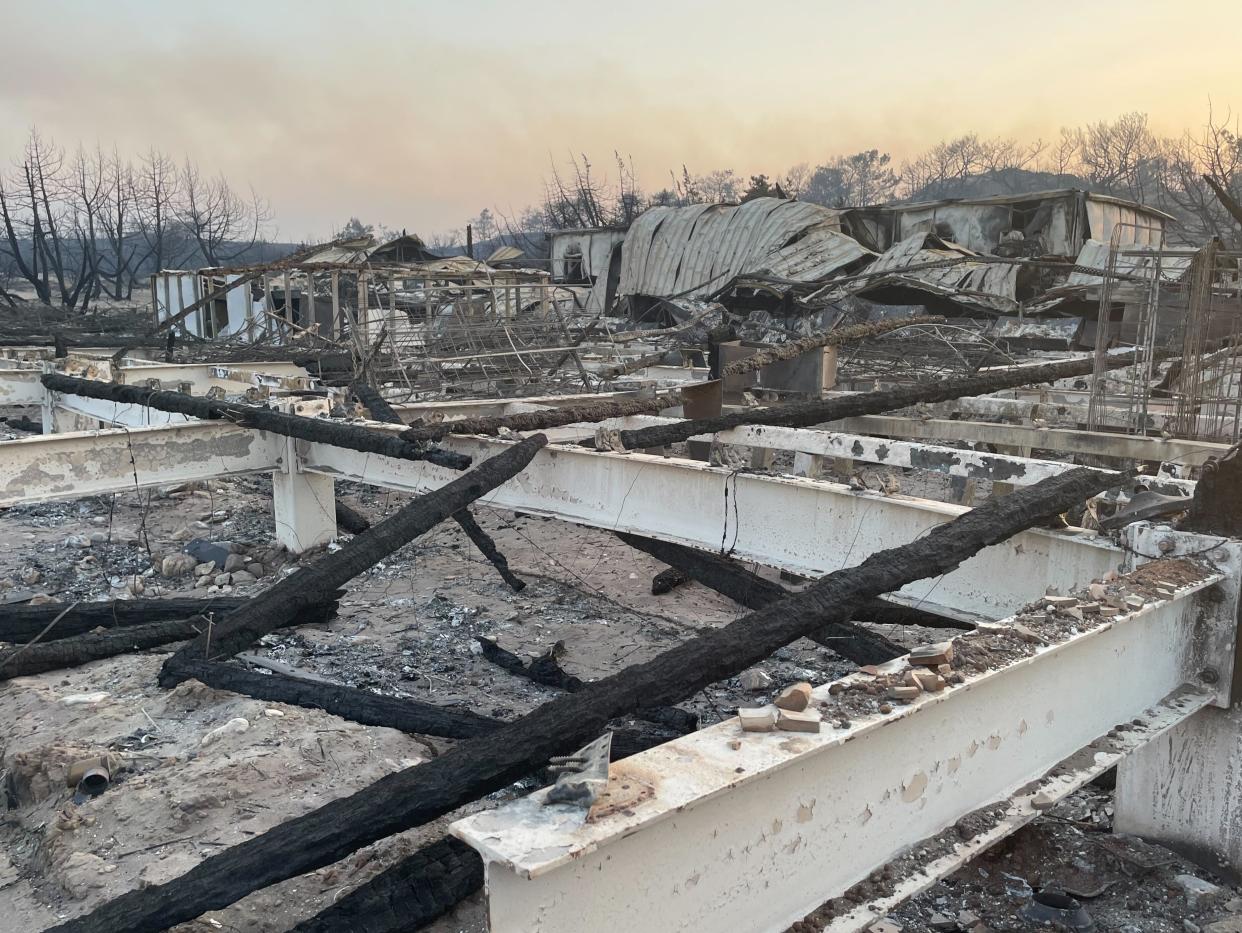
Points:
x=273, y=608
x=380, y=410
x=416, y=795
x=805, y=414
x=324, y=430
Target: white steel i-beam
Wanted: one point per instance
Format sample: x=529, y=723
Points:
x=723, y=830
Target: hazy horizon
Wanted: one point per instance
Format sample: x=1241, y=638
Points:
x=418, y=117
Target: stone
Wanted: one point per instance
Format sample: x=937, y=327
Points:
x=1042, y=802
x=967, y=919
x=1060, y=602
x=932, y=655
x=255, y=569
x=242, y=576
x=904, y=693
x=202, y=581
x=1135, y=602
x=234, y=562
x=794, y=720
x=757, y=718
x=273, y=713
x=31, y=577
x=929, y=681
x=1028, y=634
x=84, y=699
x=81, y=541
x=232, y=727
x=1227, y=925
x=223, y=579
x=1199, y=893
x=1097, y=591
x=205, y=569
x=939, y=921
x=99, y=537
x=796, y=697
x=42, y=599
x=755, y=680
x=1108, y=612
x=1089, y=608
x=177, y=565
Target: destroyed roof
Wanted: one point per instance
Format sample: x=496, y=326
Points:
x=698, y=249
x=357, y=250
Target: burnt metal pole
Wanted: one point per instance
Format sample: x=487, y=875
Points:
x=417, y=795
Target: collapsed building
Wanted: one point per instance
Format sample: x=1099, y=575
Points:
x=758, y=568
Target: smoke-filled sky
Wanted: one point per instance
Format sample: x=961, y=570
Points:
x=418, y=115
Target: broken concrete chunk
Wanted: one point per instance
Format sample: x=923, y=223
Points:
x=932, y=655
x=929, y=681
x=1109, y=611
x=1199, y=893
x=1135, y=602
x=1042, y=801
x=793, y=720
x=1028, y=634
x=757, y=718
x=939, y=921
x=796, y=697
x=1060, y=602
x=755, y=680
x=904, y=692
x=884, y=926
x=1089, y=608
x=177, y=565
x=1097, y=591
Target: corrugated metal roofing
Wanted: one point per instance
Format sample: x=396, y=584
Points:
x=697, y=249
x=1094, y=255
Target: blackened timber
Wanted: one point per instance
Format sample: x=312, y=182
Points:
x=272, y=608
x=729, y=578
x=380, y=410
x=41, y=656
x=350, y=519
x=668, y=580
x=806, y=414
x=539, y=420
x=407, y=896
x=487, y=547
x=360, y=706
x=323, y=430
x=414, y=796
x=22, y=623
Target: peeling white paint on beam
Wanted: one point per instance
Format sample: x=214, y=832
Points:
x=754, y=837
x=21, y=387
x=809, y=527
x=63, y=466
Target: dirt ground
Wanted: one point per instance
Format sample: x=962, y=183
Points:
x=405, y=628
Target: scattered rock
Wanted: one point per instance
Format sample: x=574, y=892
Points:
x=234, y=562
x=223, y=579
x=792, y=720
x=1060, y=602
x=177, y=565
x=85, y=699
x=1135, y=602
x=205, y=569
x=904, y=692
x=929, y=681
x=755, y=680
x=1042, y=801
x=255, y=570
x=81, y=541
x=1199, y=893
x=932, y=655
x=243, y=576
x=757, y=718
x=796, y=697
x=31, y=577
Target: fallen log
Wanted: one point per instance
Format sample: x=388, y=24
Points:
x=380, y=410
x=540, y=420
x=410, y=798
x=350, y=519
x=805, y=414
x=727, y=577
x=22, y=623
x=40, y=657
x=325, y=430
x=407, y=896
x=272, y=608
x=829, y=338
x=487, y=547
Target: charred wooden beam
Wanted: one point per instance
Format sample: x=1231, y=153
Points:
x=668, y=580
x=407, y=896
x=360, y=706
x=37, y=657
x=272, y=608
x=487, y=547
x=829, y=338
x=412, y=797
x=805, y=414
x=22, y=623
x=539, y=420
x=325, y=430
x=24, y=424
x=350, y=519
x=729, y=578
x=380, y=410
